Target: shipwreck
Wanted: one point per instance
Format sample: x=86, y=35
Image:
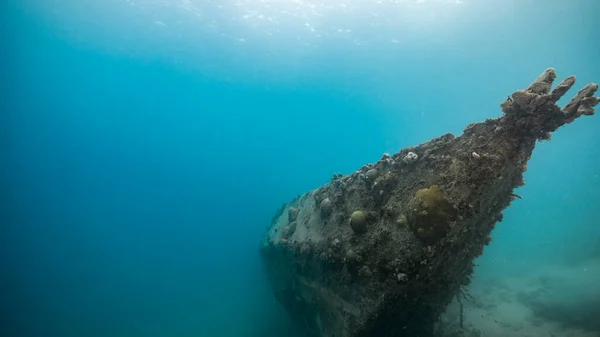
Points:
x=382, y=251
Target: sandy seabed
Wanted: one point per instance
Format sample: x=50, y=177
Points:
x=547, y=302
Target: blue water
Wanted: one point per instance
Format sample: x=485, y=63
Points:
x=145, y=146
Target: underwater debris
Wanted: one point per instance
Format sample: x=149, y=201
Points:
x=426, y=224
x=516, y=196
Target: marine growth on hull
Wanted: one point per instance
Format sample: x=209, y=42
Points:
x=382, y=251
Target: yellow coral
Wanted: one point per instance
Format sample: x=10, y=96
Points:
x=430, y=214
x=358, y=221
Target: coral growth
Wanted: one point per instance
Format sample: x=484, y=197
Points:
x=431, y=215
x=358, y=222
x=292, y=214
x=288, y=230
x=410, y=158
x=370, y=273
x=326, y=207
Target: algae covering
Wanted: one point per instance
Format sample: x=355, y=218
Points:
x=382, y=251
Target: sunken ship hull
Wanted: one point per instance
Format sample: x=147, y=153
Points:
x=382, y=251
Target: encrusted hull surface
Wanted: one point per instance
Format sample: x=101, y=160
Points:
x=382, y=251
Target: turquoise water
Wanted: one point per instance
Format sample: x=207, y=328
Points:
x=146, y=145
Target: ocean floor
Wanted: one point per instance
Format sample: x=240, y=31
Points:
x=558, y=301
x=553, y=301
